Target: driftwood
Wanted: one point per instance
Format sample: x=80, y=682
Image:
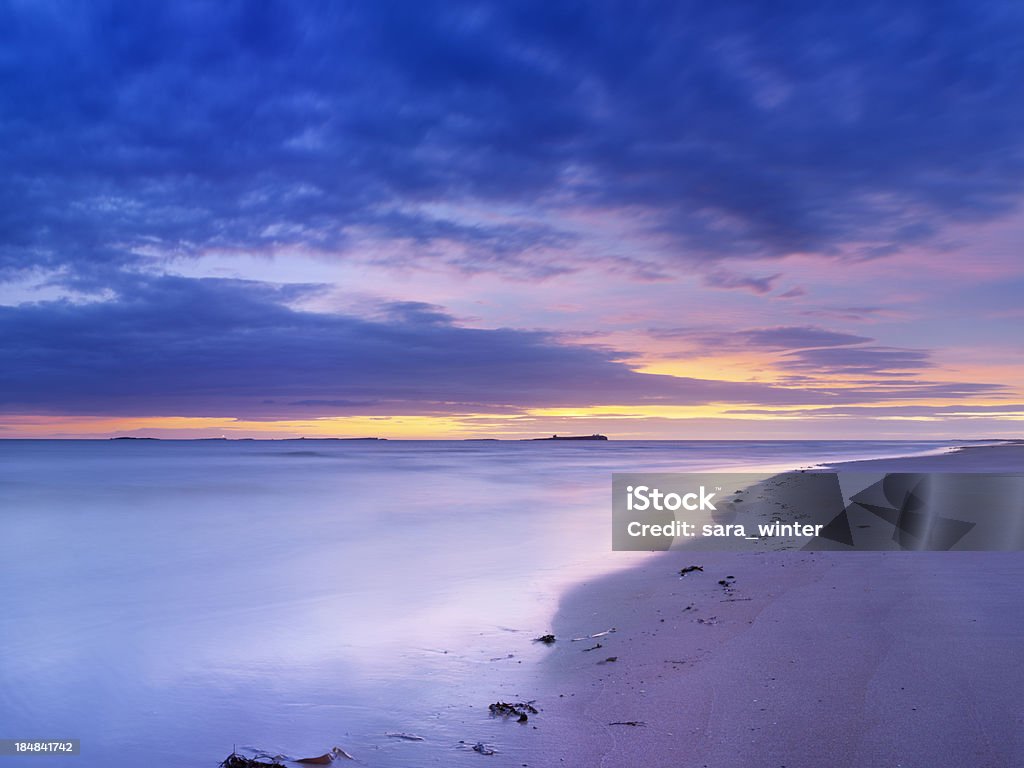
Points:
x=325, y=759
x=596, y=634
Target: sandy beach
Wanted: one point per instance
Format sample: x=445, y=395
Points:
x=794, y=659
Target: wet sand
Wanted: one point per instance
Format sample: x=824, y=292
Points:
x=1007, y=457
x=799, y=659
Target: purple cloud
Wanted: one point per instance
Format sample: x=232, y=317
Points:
x=723, y=278
x=793, y=293
x=798, y=337
x=859, y=361
x=178, y=346
x=778, y=338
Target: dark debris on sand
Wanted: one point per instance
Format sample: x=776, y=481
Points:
x=520, y=710
x=235, y=760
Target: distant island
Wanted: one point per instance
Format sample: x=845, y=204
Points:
x=572, y=437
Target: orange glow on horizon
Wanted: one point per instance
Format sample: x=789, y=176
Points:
x=529, y=423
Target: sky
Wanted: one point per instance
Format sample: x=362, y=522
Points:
x=664, y=220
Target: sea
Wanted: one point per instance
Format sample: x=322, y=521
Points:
x=165, y=602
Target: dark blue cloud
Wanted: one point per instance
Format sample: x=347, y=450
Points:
x=799, y=337
x=178, y=346
x=857, y=361
x=742, y=128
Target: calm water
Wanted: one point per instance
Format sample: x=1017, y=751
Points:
x=164, y=601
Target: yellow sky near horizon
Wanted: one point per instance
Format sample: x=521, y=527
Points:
x=635, y=422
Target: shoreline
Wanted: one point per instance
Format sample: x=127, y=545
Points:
x=799, y=659
x=1007, y=456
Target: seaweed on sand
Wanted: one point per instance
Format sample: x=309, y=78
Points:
x=520, y=710
x=235, y=760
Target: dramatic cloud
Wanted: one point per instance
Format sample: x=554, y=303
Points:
x=757, y=129
x=177, y=346
x=193, y=347
x=442, y=208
